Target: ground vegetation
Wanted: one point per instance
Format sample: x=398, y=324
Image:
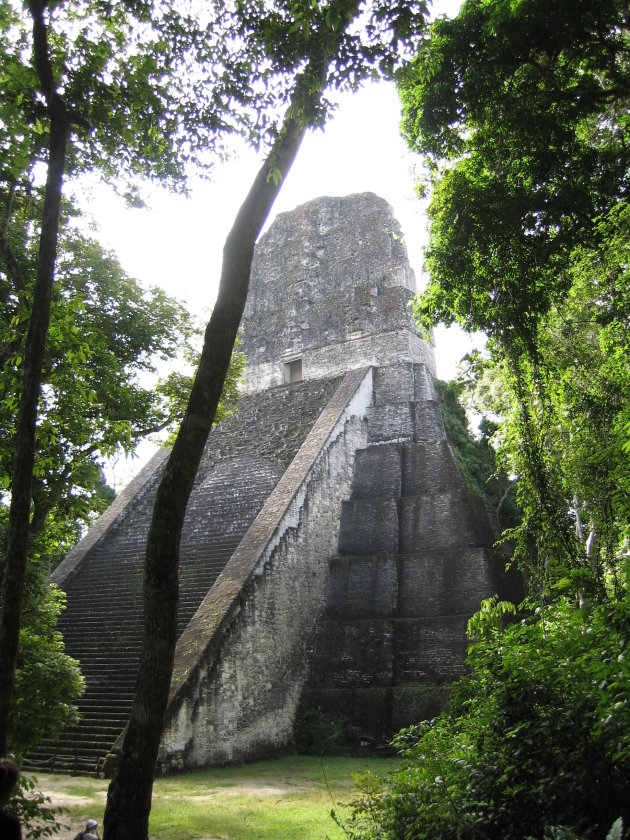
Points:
x=288, y=798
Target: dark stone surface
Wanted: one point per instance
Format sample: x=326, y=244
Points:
x=445, y=520
x=414, y=702
x=369, y=526
x=403, y=382
x=363, y=587
x=351, y=653
x=454, y=579
x=270, y=424
x=430, y=468
x=427, y=421
x=342, y=721
x=424, y=387
x=388, y=423
x=415, y=564
x=431, y=649
x=361, y=720
x=377, y=472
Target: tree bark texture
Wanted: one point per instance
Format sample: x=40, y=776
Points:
x=129, y=795
x=19, y=515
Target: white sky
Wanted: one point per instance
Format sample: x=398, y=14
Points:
x=177, y=242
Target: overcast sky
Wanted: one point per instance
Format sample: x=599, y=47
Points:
x=177, y=242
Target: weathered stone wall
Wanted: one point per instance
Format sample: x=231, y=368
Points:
x=331, y=284
x=241, y=663
x=414, y=562
x=102, y=577
x=335, y=359
x=329, y=539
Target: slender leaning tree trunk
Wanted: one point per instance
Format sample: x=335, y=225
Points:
x=129, y=795
x=19, y=515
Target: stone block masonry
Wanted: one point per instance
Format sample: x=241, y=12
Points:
x=414, y=562
x=242, y=661
x=331, y=285
x=331, y=553
x=102, y=576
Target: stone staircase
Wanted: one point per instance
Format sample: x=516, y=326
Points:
x=414, y=561
x=102, y=625
x=102, y=628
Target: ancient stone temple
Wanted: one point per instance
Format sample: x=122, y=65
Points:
x=331, y=554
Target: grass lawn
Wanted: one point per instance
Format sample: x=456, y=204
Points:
x=284, y=799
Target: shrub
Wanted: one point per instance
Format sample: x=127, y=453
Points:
x=536, y=742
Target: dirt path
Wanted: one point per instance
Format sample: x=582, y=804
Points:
x=55, y=789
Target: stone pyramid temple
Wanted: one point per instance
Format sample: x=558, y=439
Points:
x=331, y=553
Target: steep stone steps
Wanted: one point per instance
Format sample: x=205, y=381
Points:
x=105, y=707
x=104, y=634
x=102, y=625
x=414, y=563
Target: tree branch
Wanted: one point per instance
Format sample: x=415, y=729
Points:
x=13, y=267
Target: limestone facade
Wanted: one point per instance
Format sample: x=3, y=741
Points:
x=331, y=554
x=331, y=289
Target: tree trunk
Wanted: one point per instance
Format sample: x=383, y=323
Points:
x=129, y=795
x=579, y=529
x=593, y=551
x=17, y=538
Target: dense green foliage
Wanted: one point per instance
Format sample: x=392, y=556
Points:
x=564, y=427
x=537, y=741
x=520, y=110
x=522, y=117
x=477, y=458
x=99, y=393
x=47, y=680
x=126, y=70
x=156, y=89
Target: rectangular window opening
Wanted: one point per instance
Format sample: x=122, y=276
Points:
x=293, y=371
